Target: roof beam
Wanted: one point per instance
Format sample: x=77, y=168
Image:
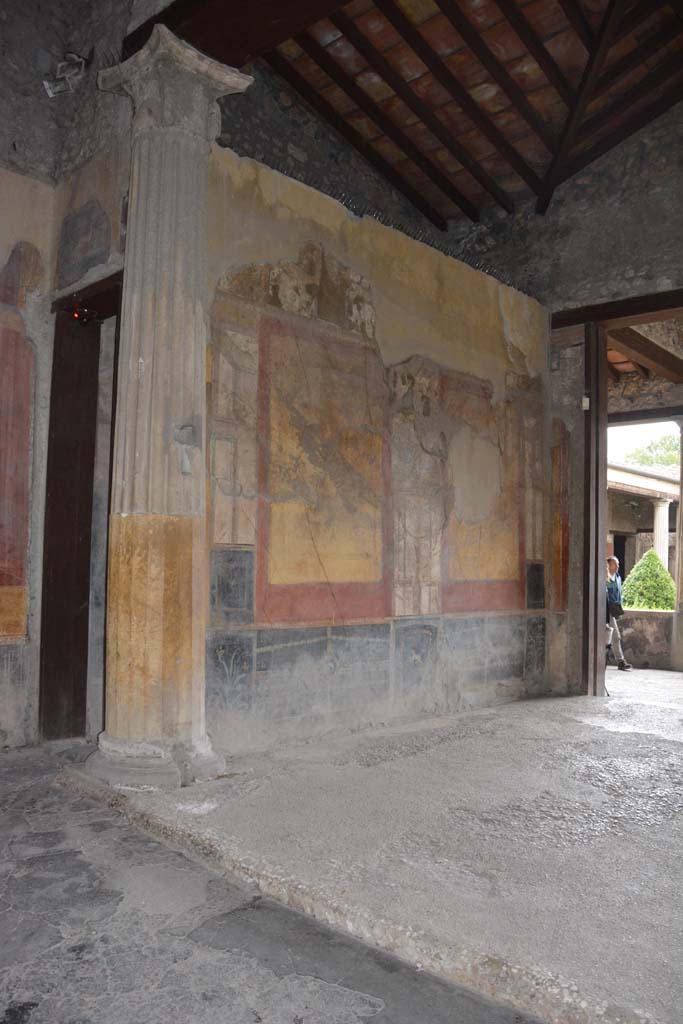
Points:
x=584, y=96
x=298, y=82
x=632, y=19
x=644, y=352
x=608, y=142
x=481, y=120
x=659, y=76
x=633, y=60
x=383, y=68
x=233, y=33
x=363, y=101
x=543, y=58
x=472, y=37
x=579, y=22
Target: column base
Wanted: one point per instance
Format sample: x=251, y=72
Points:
x=125, y=764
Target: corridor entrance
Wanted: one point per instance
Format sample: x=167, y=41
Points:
x=633, y=373
x=69, y=505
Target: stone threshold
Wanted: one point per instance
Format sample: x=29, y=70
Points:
x=550, y=997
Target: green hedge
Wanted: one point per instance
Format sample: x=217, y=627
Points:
x=649, y=585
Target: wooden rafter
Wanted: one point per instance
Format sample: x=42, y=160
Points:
x=596, y=60
x=656, y=78
x=615, y=138
x=428, y=117
x=646, y=353
x=459, y=93
x=298, y=82
x=638, y=56
x=363, y=101
x=633, y=18
x=497, y=71
x=534, y=45
x=443, y=67
x=579, y=22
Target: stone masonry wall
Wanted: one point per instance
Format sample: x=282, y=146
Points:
x=611, y=232
x=646, y=638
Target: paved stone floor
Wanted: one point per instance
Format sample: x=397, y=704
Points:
x=103, y=924
x=531, y=851
x=646, y=684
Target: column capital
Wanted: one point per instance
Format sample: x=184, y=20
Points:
x=659, y=502
x=173, y=85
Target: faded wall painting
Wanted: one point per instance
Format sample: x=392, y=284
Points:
x=19, y=274
x=378, y=532
x=483, y=564
x=323, y=460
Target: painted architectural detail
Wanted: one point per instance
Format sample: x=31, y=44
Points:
x=370, y=502
x=20, y=274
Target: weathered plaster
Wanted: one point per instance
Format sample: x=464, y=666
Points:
x=425, y=302
x=452, y=382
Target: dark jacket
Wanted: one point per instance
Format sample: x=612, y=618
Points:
x=613, y=593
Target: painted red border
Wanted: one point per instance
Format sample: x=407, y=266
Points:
x=309, y=603
x=486, y=595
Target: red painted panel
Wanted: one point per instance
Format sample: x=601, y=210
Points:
x=16, y=403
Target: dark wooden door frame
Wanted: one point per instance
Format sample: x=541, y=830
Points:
x=595, y=320
x=595, y=510
x=68, y=508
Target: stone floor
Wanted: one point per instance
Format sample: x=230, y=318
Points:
x=531, y=851
x=103, y=924
x=646, y=684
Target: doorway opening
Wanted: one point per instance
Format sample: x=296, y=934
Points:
x=633, y=375
x=78, y=486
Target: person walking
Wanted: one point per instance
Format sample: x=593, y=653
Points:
x=614, y=610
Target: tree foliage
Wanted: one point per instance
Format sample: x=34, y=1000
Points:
x=649, y=585
x=664, y=451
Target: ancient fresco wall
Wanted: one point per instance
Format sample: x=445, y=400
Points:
x=25, y=261
x=386, y=530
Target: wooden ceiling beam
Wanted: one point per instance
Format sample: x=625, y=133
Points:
x=646, y=353
x=659, y=76
x=384, y=69
x=283, y=68
x=637, y=57
x=233, y=33
x=363, y=101
x=607, y=142
x=579, y=22
x=543, y=58
x=594, y=65
x=445, y=77
x=473, y=38
x=633, y=18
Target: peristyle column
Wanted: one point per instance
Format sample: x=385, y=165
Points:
x=157, y=584
x=677, y=631
x=661, y=531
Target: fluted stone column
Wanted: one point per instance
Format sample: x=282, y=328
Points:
x=677, y=631
x=661, y=530
x=157, y=585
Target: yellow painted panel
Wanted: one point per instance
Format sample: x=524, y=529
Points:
x=13, y=611
x=325, y=479
x=484, y=527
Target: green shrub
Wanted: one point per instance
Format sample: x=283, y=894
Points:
x=649, y=585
